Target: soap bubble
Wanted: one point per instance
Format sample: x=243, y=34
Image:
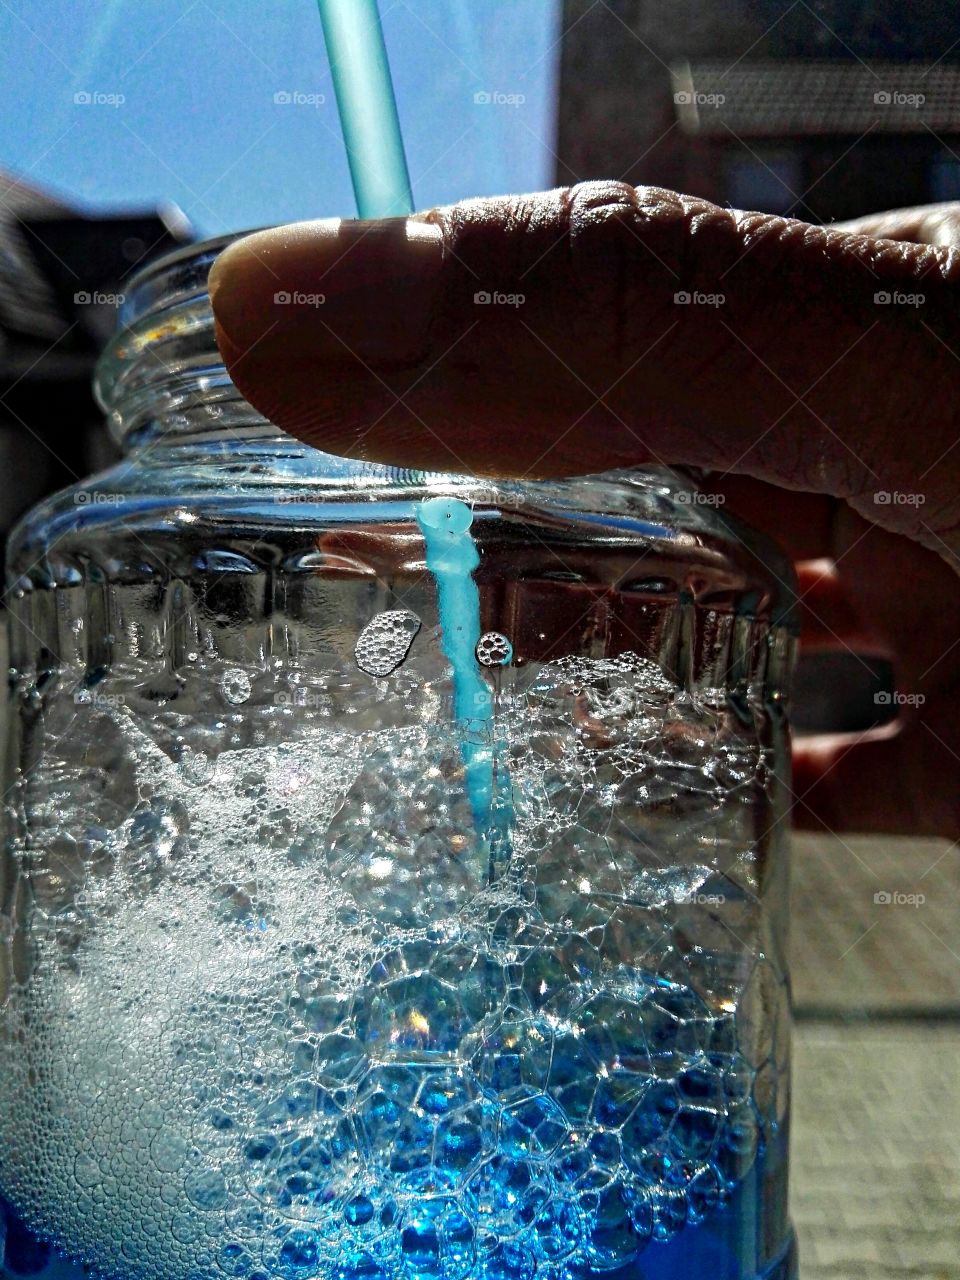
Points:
x=385, y=641
x=494, y=649
x=235, y=686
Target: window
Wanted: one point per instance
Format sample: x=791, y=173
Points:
x=769, y=181
x=944, y=177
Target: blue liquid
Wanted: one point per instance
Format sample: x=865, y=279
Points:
x=718, y=1247
x=708, y=1202
x=22, y=1254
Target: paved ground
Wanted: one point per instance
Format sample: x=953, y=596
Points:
x=876, y=1150
x=876, y=1137
x=853, y=954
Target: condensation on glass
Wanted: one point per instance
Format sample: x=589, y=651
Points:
x=279, y=996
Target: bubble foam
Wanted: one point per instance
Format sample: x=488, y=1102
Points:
x=286, y=1013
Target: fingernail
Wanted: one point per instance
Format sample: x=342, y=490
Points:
x=338, y=288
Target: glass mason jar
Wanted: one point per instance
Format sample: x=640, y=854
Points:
x=395, y=876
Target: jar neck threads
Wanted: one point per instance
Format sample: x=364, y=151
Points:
x=162, y=376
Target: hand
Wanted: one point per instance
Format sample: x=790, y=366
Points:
x=815, y=369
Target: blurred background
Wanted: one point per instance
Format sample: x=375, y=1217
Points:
x=132, y=125
x=129, y=125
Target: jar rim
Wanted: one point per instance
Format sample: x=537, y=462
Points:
x=183, y=253
x=162, y=363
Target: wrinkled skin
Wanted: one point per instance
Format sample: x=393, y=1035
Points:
x=799, y=392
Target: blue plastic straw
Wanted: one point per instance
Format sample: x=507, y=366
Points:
x=368, y=108
x=381, y=184
x=451, y=558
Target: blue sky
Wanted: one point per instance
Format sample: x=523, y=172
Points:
x=182, y=103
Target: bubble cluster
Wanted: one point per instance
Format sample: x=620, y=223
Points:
x=494, y=649
x=235, y=686
x=385, y=641
x=285, y=1012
